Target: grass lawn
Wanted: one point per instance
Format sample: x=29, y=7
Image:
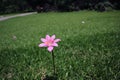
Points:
x=87, y=51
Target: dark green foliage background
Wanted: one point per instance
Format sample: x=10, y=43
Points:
x=17, y=6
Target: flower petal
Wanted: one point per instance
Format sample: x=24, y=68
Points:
x=53, y=37
x=55, y=44
x=42, y=45
x=50, y=49
x=47, y=37
x=43, y=40
x=57, y=40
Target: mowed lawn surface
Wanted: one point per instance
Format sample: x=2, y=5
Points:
x=87, y=51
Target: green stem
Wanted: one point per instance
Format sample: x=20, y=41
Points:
x=53, y=58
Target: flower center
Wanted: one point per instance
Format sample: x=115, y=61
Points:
x=49, y=43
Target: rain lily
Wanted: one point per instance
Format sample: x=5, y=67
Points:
x=49, y=42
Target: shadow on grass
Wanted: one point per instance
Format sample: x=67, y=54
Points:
x=47, y=77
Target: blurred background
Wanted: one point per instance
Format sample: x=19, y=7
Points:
x=17, y=6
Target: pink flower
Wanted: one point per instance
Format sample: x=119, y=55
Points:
x=49, y=42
